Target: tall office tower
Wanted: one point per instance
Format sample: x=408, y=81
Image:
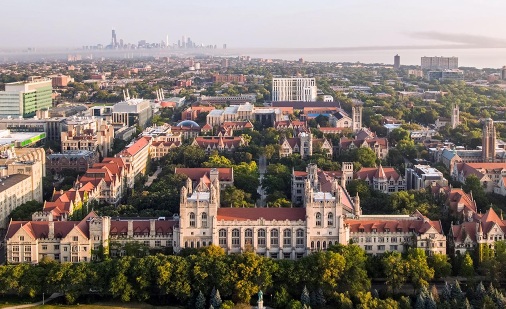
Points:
x=397, y=62
x=356, y=115
x=488, y=141
x=439, y=63
x=167, y=41
x=114, y=41
x=503, y=73
x=455, y=119
x=294, y=89
x=26, y=97
x=183, y=42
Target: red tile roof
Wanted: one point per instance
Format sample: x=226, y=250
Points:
x=279, y=214
x=224, y=173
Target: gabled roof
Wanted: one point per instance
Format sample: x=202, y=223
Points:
x=195, y=174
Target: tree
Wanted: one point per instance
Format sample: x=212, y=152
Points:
x=354, y=278
x=200, y=302
x=396, y=270
x=365, y=157
x=281, y=298
x=24, y=211
x=467, y=268
x=440, y=264
x=472, y=184
x=215, y=160
x=233, y=197
x=215, y=298
x=419, y=271
x=304, y=297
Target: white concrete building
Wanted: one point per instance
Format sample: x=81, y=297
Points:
x=294, y=89
x=23, y=99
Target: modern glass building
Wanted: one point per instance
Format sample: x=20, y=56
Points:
x=23, y=99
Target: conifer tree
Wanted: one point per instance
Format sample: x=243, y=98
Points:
x=200, y=302
x=320, y=298
x=305, y=299
x=215, y=298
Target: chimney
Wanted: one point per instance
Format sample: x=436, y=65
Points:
x=50, y=234
x=152, y=231
x=130, y=228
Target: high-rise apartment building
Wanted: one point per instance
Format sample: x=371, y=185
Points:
x=294, y=89
x=397, y=62
x=26, y=97
x=440, y=63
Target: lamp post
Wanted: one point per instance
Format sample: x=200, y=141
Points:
x=43, y=298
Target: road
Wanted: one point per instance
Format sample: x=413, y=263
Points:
x=262, y=168
x=153, y=177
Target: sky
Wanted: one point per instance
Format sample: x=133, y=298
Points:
x=256, y=24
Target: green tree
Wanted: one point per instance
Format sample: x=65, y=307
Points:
x=440, y=264
x=233, y=197
x=472, y=184
x=467, y=268
x=396, y=270
x=418, y=269
x=215, y=298
x=200, y=302
x=24, y=211
x=365, y=157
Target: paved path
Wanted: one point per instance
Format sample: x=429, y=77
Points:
x=262, y=168
x=153, y=177
x=53, y=296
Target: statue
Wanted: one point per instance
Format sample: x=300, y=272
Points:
x=260, y=296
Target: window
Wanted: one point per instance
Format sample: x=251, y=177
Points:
x=28, y=249
x=158, y=243
x=318, y=219
x=287, y=256
x=330, y=219
x=222, y=237
x=274, y=255
x=28, y=259
x=368, y=247
x=192, y=219
x=75, y=238
x=381, y=247
x=393, y=239
x=204, y=219
x=274, y=238
x=261, y=238
x=44, y=247
x=21, y=238
x=287, y=238
x=300, y=238
x=393, y=247
x=236, y=238
x=248, y=237
x=57, y=257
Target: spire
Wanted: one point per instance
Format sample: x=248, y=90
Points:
x=380, y=174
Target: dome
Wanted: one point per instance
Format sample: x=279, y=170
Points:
x=188, y=124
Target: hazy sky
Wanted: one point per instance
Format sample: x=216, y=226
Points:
x=255, y=23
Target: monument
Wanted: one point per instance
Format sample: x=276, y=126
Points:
x=260, y=303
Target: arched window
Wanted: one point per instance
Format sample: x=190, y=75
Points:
x=222, y=237
x=318, y=245
x=192, y=219
x=324, y=245
x=261, y=238
x=236, y=238
x=300, y=238
x=330, y=219
x=274, y=238
x=312, y=245
x=318, y=219
x=248, y=237
x=204, y=219
x=287, y=238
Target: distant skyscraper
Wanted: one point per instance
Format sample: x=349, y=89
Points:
x=224, y=46
x=503, y=73
x=397, y=62
x=183, y=42
x=167, y=41
x=294, y=89
x=114, y=41
x=439, y=63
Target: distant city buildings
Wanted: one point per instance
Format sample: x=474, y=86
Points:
x=453, y=74
x=439, y=63
x=397, y=62
x=26, y=97
x=294, y=89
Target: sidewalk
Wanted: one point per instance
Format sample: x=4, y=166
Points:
x=50, y=298
x=153, y=177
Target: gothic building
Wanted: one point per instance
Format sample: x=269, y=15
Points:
x=287, y=233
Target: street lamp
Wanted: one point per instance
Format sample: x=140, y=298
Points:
x=42, y=298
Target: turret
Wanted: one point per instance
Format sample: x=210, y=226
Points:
x=356, y=205
x=189, y=185
x=184, y=195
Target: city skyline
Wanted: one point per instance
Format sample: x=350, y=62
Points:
x=258, y=24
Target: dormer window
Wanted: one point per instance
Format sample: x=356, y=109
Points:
x=361, y=230
x=374, y=230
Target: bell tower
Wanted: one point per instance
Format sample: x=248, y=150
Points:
x=356, y=115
